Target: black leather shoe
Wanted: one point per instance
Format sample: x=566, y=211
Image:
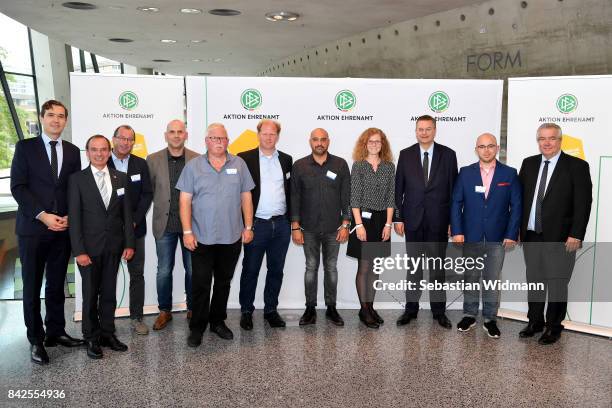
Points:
x=405, y=318
x=194, y=339
x=375, y=314
x=274, y=319
x=443, y=321
x=368, y=319
x=309, y=316
x=38, y=354
x=333, y=316
x=530, y=330
x=113, y=342
x=549, y=337
x=94, y=350
x=63, y=340
x=246, y=321
x=222, y=331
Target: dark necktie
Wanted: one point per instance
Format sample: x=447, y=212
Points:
x=540, y=198
x=426, y=167
x=54, y=169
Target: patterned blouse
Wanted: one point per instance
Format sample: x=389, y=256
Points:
x=373, y=190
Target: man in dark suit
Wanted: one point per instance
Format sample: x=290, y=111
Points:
x=271, y=170
x=556, y=209
x=424, y=181
x=141, y=195
x=101, y=233
x=39, y=183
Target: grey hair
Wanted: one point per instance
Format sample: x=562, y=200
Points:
x=549, y=125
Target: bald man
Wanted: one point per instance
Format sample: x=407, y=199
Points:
x=485, y=218
x=165, y=167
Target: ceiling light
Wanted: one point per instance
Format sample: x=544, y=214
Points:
x=148, y=9
x=203, y=73
x=77, y=5
x=191, y=11
x=224, y=12
x=218, y=60
x=161, y=60
x=282, y=16
x=198, y=41
x=168, y=41
x=121, y=40
x=197, y=60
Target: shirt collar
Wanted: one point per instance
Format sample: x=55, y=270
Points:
x=46, y=139
x=491, y=167
x=430, y=150
x=115, y=158
x=171, y=157
x=552, y=160
x=95, y=170
x=273, y=156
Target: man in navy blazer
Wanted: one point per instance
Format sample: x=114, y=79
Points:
x=424, y=181
x=486, y=218
x=141, y=195
x=39, y=183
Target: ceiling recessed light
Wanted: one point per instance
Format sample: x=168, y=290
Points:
x=121, y=40
x=148, y=9
x=224, y=12
x=218, y=60
x=161, y=60
x=197, y=60
x=168, y=41
x=116, y=7
x=191, y=11
x=198, y=41
x=282, y=16
x=77, y=5
x=203, y=73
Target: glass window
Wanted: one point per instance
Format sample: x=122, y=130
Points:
x=104, y=64
x=14, y=46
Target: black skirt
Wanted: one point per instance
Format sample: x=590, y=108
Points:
x=373, y=247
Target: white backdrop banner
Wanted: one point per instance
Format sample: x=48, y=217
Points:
x=575, y=104
x=344, y=107
x=100, y=103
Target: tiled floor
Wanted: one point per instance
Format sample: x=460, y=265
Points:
x=418, y=365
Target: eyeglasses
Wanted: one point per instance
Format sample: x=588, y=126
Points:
x=374, y=142
x=217, y=139
x=483, y=147
x=124, y=139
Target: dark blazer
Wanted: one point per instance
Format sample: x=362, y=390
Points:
x=93, y=228
x=418, y=203
x=494, y=218
x=32, y=184
x=140, y=191
x=251, y=158
x=567, y=202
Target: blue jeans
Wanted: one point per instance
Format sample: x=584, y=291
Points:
x=166, y=249
x=313, y=243
x=494, y=254
x=272, y=240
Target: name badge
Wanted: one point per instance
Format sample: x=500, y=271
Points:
x=135, y=177
x=288, y=175
x=366, y=214
x=479, y=189
x=331, y=175
x=231, y=171
x=120, y=191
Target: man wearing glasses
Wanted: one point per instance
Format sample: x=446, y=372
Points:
x=140, y=195
x=485, y=219
x=215, y=197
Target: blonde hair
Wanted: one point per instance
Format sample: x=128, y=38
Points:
x=360, y=152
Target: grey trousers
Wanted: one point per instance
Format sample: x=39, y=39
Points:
x=313, y=243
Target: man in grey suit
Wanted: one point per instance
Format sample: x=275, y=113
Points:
x=165, y=167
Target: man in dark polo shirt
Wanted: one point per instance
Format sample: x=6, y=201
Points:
x=320, y=191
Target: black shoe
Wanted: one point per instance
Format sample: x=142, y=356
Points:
x=491, y=329
x=530, y=330
x=309, y=316
x=246, y=321
x=63, y=340
x=194, y=339
x=405, y=318
x=367, y=318
x=38, y=354
x=375, y=313
x=466, y=324
x=222, y=331
x=549, y=337
x=94, y=350
x=333, y=316
x=443, y=321
x=274, y=319
x=113, y=342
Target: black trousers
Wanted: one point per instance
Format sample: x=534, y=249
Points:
x=550, y=264
x=99, y=295
x=208, y=262
x=431, y=244
x=39, y=254
x=137, y=282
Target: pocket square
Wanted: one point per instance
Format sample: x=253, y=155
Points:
x=504, y=184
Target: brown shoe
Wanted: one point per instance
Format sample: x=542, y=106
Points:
x=162, y=320
x=189, y=315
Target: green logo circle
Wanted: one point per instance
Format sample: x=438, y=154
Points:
x=128, y=100
x=439, y=101
x=567, y=103
x=345, y=100
x=251, y=99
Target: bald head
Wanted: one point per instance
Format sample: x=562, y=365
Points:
x=486, y=139
x=319, y=142
x=176, y=135
x=486, y=148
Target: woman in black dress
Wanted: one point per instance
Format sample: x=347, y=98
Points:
x=372, y=204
